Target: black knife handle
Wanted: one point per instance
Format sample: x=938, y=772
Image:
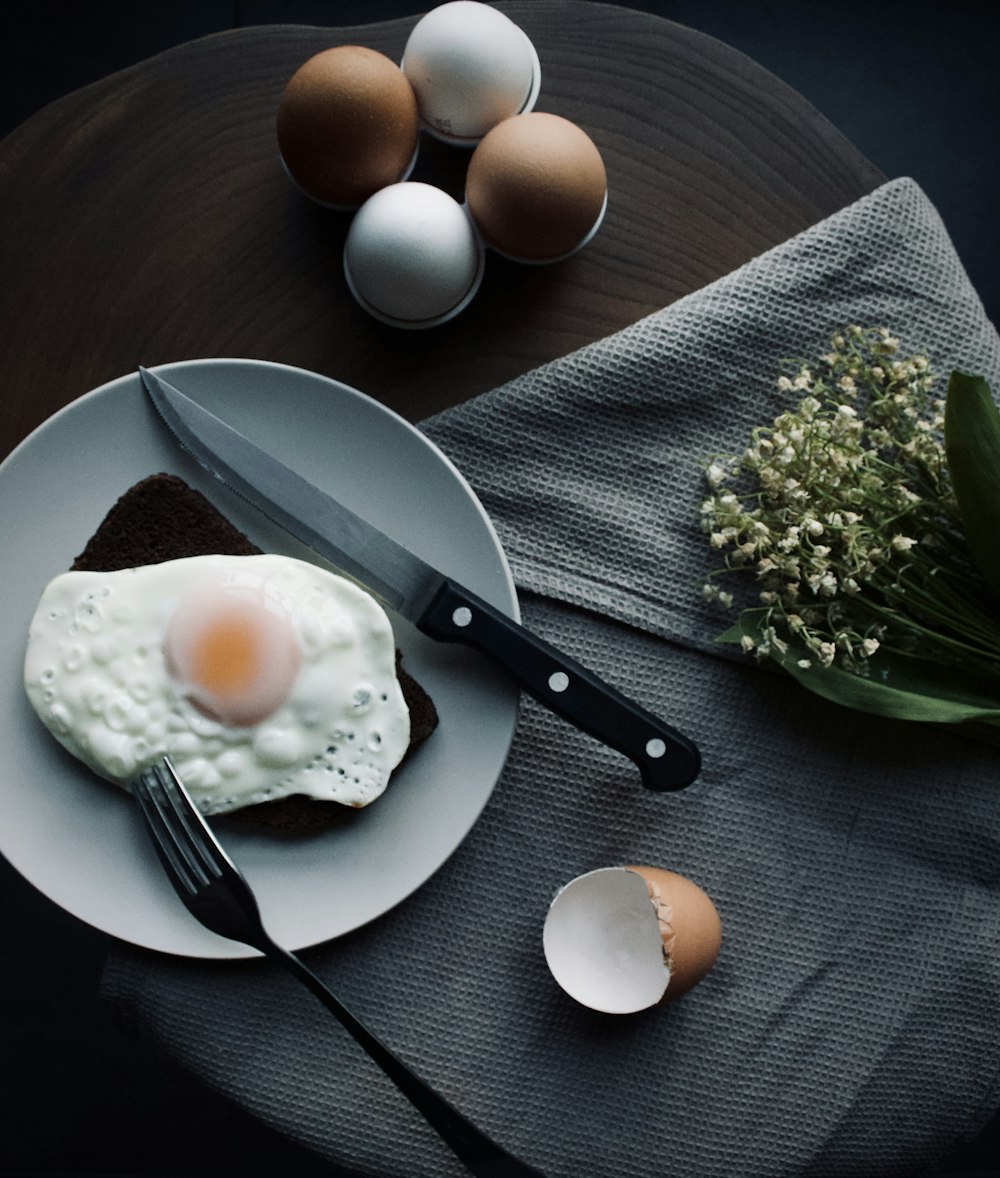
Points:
x=666, y=758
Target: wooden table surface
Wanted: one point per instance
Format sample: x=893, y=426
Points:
x=147, y=219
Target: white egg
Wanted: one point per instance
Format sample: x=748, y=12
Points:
x=260, y=676
x=412, y=256
x=470, y=67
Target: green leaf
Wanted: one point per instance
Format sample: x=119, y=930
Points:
x=901, y=688
x=972, y=447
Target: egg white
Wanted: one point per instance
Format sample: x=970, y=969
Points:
x=96, y=673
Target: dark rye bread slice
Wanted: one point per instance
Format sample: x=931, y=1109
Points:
x=162, y=518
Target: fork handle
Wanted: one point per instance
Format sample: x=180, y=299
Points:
x=481, y=1154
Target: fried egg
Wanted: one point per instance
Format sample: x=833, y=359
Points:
x=259, y=676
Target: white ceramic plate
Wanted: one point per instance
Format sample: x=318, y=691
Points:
x=78, y=839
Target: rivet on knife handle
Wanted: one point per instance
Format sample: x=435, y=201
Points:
x=666, y=758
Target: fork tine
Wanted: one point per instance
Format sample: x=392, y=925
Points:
x=176, y=827
x=163, y=839
x=201, y=840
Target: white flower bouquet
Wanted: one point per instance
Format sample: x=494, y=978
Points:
x=859, y=533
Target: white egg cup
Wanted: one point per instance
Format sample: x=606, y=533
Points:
x=417, y=324
x=590, y=234
x=339, y=208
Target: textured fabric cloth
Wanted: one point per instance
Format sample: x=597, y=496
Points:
x=852, y=1023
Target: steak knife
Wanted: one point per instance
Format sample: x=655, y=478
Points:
x=438, y=605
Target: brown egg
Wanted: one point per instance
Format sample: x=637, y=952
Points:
x=689, y=926
x=347, y=125
x=536, y=187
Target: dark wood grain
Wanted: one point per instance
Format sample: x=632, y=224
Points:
x=146, y=217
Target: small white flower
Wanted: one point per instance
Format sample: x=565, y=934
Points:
x=726, y=599
x=902, y=543
x=814, y=527
x=717, y=540
x=870, y=645
x=747, y=643
x=715, y=474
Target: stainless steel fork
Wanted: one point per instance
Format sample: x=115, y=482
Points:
x=215, y=892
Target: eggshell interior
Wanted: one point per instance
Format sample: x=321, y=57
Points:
x=602, y=942
x=470, y=67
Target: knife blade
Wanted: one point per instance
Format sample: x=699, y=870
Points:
x=438, y=605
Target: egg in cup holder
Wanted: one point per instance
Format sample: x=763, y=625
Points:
x=470, y=68
x=347, y=126
x=412, y=257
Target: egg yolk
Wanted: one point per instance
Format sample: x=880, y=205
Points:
x=235, y=656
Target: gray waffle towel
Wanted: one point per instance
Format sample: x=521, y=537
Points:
x=852, y=1023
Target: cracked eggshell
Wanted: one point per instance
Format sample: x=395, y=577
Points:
x=623, y=939
x=470, y=67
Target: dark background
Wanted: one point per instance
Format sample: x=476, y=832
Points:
x=915, y=86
